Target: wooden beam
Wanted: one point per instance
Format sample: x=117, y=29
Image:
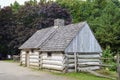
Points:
x=75, y=57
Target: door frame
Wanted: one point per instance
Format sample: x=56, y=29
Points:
x=27, y=59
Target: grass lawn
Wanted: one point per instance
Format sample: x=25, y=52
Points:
x=8, y=60
x=81, y=76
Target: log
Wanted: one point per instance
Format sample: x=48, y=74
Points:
x=68, y=53
x=52, y=67
x=34, y=53
x=55, y=59
x=104, y=65
x=88, y=60
x=88, y=56
x=22, y=55
x=54, y=56
x=70, y=60
x=34, y=61
x=22, y=58
x=34, y=57
x=89, y=63
x=71, y=65
x=70, y=56
x=59, y=63
x=93, y=53
x=88, y=68
x=35, y=64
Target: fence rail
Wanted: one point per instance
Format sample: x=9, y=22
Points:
x=91, y=62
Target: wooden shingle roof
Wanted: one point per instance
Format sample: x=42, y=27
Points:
x=62, y=37
x=37, y=39
x=53, y=38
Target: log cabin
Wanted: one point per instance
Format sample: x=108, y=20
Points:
x=65, y=48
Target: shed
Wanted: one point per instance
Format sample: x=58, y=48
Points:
x=62, y=47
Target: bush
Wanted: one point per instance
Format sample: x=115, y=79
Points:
x=107, y=53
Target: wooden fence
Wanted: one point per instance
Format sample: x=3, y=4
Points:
x=79, y=62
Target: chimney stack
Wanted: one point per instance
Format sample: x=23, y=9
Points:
x=59, y=22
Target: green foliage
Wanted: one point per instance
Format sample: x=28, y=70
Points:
x=15, y=7
x=109, y=59
x=101, y=15
x=107, y=54
x=18, y=23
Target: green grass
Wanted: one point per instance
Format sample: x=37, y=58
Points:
x=108, y=73
x=8, y=60
x=81, y=76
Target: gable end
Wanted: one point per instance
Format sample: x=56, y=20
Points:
x=84, y=42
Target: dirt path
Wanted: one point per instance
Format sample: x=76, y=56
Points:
x=12, y=71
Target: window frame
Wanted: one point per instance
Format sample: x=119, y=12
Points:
x=49, y=54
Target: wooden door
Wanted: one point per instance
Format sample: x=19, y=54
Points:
x=27, y=59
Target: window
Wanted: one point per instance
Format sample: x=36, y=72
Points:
x=32, y=50
x=49, y=54
x=27, y=51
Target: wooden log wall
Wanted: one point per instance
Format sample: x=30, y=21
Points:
x=83, y=61
x=70, y=62
x=22, y=57
x=55, y=62
x=34, y=58
x=88, y=61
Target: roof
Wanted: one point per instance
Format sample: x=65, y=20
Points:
x=62, y=38
x=53, y=38
x=37, y=39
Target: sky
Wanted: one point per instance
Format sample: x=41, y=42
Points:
x=8, y=2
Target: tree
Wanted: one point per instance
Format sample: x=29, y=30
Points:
x=101, y=15
x=33, y=17
x=6, y=28
x=15, y=7
x=108, y=32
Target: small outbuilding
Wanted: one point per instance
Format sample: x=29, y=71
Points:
x=62, y=47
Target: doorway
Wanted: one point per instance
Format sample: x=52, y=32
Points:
x=27, y=59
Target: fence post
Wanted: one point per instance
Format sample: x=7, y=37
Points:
x=118, y=67
x=75, y=56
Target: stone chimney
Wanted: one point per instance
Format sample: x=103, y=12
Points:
x=59, y=22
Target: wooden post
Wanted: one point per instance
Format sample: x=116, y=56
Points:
x=40, y=65
x=28, y=60
x=118, y=66
x=75, y=58
x=65, y=63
